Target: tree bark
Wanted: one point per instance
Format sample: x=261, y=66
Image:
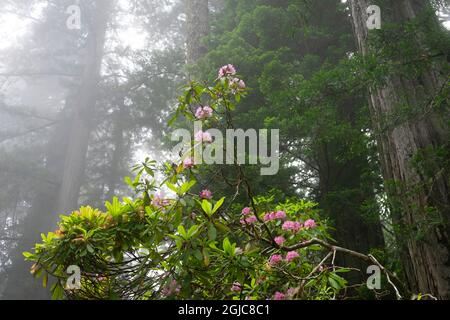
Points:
x=426, y=259
x=197, y=27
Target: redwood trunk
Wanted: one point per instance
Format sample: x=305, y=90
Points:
x=426, y=258
x=197, y=24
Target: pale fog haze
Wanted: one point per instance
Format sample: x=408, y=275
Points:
x=90, y=183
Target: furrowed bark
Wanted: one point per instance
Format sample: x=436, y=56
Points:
x=426, y=259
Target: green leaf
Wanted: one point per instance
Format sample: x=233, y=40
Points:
x=221, y=226
x=179, y=243
x=45, y=280
x=212, y=232
x=227, y=246
x=128, y=181
x=149, y=171
x=218, y=205
x=27, y=255
x=90, y=249
x=57, y=291
x=182, y=232
x=198, y=255
x=206, y=260
x=192, y=231
x=207, y=207
x=334, y=283
x=342, y=270
x=185, y=187
x=172, y=187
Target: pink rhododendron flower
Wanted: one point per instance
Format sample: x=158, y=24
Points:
x=280, y=215
x=291, y=255
x=279, y=296
x=275, y=259
x=269, y=216
x=206, y=194
x=159, y=202
x=251, y=219
x=228, y=70
x=172, y=288
x=208, y=111
x=246, y=211
x=188, y=163
x=236, y=287
x=279, y=240
x=203, y=113
x=292, y=226
x=309, y=224
x=237, y=84
x=203, y=137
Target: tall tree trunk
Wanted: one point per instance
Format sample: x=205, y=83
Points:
x=426, y=258
x=118, y=140
x=83, y=109
x=65, y=162
x=197, y=25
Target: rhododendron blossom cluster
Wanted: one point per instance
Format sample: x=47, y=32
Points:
x=159, y=202
x=227, y=70
x=237, y=85
x=188, y=163
x=279, y=240
x=294, y=226
x=201, y=136
x=279, y=296
x=275, y=259
x=236, y=287
x=204, y=112
x=249, y=220
x=309, y=224
x=290, y=256
x=280, y=215
x=206, y=194
x=173, y=288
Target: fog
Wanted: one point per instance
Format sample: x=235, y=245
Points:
x=42, y=71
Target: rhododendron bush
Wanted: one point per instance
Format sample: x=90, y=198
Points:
x=194, y=244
